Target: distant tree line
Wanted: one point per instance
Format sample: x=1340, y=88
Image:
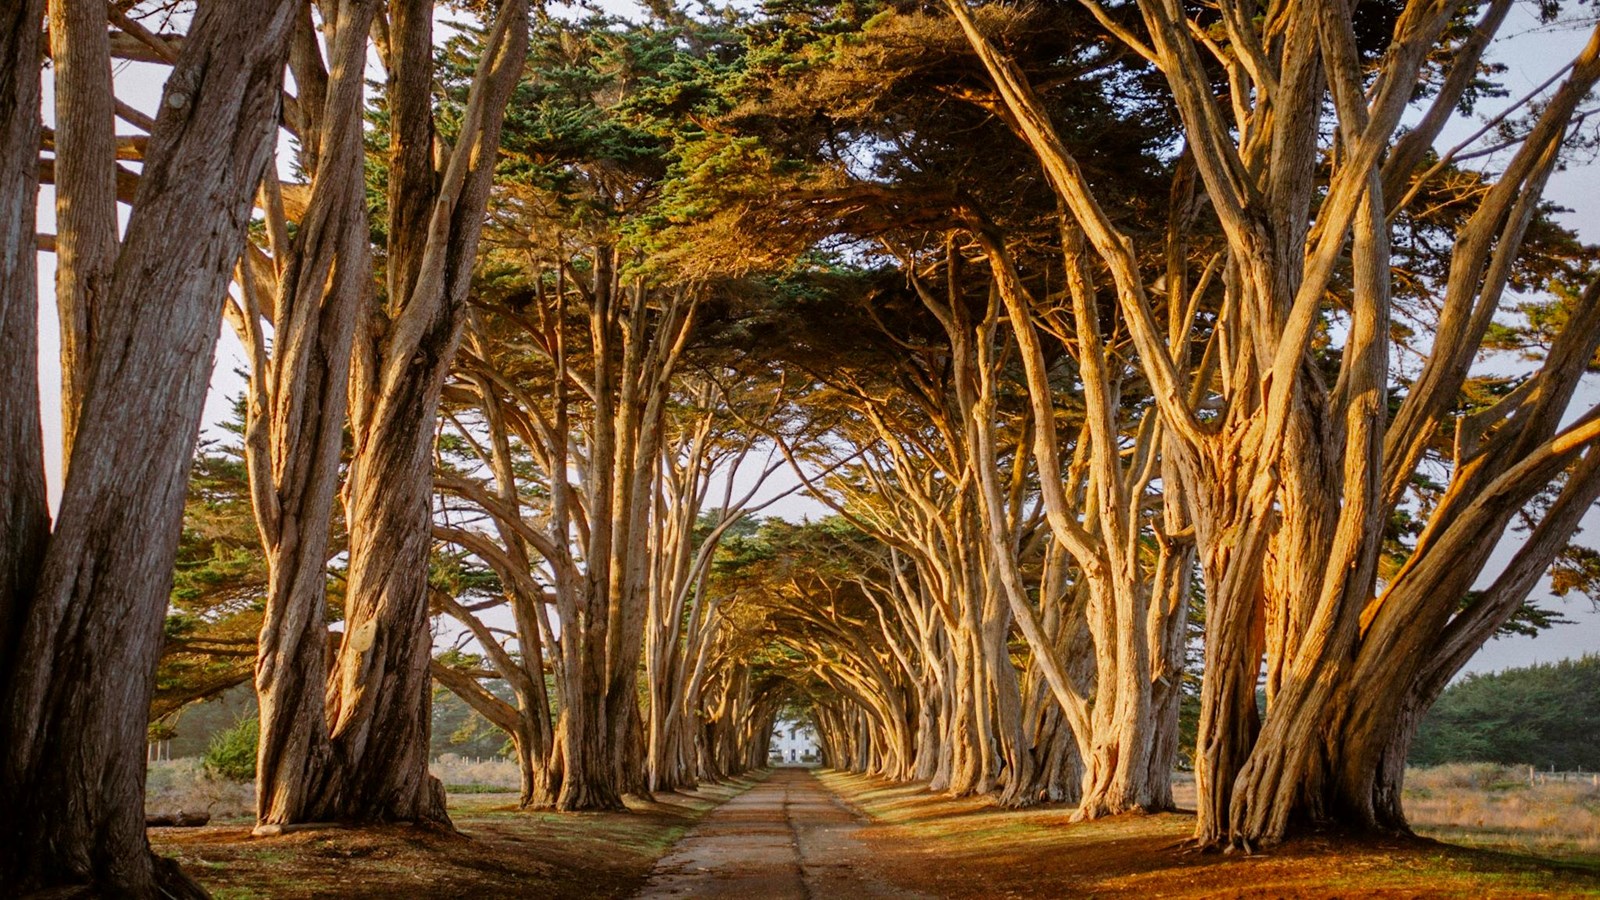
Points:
x=1544, y=715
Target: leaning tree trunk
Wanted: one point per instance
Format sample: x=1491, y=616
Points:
x=1357, y=778
x=76, y=684
x=380, y=698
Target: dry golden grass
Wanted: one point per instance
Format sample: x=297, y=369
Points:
x=1493, y=807
x=1482, y=805
x=485, y=776
x=183, y=785
x=968, y=848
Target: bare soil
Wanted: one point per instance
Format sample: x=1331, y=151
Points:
x=499, y=851
x=788, y=838
x=818, y=835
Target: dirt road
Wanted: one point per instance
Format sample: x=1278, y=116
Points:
x=788, y=838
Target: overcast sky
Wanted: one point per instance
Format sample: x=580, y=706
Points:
x=1532, y=53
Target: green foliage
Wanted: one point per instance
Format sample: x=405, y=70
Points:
x=218, y=587
x=459, y=729
x=232, y=753
x=1545, y=715
x=189, y=731
x=462, y=577
x=783, y=586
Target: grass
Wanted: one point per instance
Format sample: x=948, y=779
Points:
x=961, y=848
x=498, y=850
x=183, y=785
x=476, y=776
x=236, y=894
x=1494, y=807
x=476, y=788
x=1502, y=838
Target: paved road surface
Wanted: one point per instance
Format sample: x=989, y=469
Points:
x=787, y=838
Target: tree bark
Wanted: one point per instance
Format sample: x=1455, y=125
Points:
x=379, y=696
x=24, y=512
x=86, y=191
x=76, y=688
x=323, y=288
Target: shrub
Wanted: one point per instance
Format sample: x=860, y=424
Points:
x=185, y=785
x=232, y=754
x=1460, y=777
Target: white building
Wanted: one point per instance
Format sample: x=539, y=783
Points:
x=793, y=742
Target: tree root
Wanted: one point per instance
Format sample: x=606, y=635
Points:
x=172, y=883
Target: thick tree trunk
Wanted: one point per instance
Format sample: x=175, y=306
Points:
x=76, y=687
x=323, y=290
x=539, y=783
x=1229, y=719
x=925, y=755
x=1359, y=769
x=590, y=782
x=1118, y=774
x=380, y=695
x=24, y=513
x=1016, y=750
x=1060, y=776
x=630, y=743
x=965, y=733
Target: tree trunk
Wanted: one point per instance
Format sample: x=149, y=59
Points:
x=1169, y=637
x=539, y=785
x=1229, y=719
x=24, y=512
x=86, y=191
x=322, y=291
x=379, y=699
x=76, y=686
x=590, y=782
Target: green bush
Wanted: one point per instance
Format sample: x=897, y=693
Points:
x=232, y=753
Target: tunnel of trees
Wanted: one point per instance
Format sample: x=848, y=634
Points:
x=1148, y=354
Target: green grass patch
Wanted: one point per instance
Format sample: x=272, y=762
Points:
x=236, y=893
x=478, y=788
